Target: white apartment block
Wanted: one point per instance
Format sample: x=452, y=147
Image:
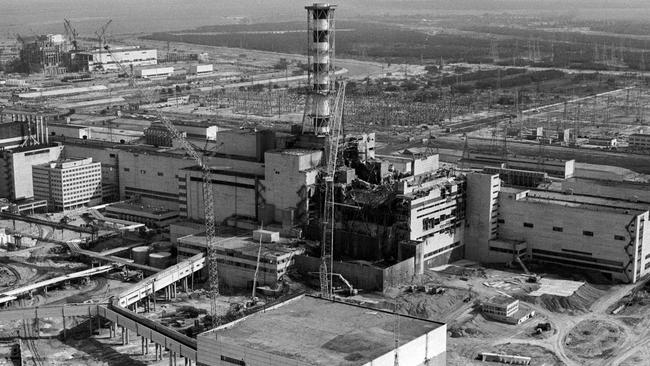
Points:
x=69, y=184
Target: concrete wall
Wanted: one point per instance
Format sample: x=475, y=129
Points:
x=74, y=131
x=425, y=165
x=429, y=349
x=237, y=143
x=601, y=251
x=481, y=217
x=108, y=156
x=210, y=351
x=233, y=195
x=152, y=177
x=629, y=191
x=288, y=177
x=360, y=276
x=444, y=210
x=399, y=273
x=16, y=170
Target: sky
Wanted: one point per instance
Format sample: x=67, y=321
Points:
x=133, y=16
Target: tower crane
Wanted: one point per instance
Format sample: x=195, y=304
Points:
x=332, y=151
x=71, y=33
x=208, y=194
x=101, y=38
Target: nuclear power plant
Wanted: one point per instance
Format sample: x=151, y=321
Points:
x=410, y=186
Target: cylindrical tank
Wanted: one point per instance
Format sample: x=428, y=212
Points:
x=162, y=246
x=160, y=259
x=140, y=254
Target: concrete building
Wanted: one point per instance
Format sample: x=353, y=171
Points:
x=199, y=69
x=436, y=214
x=68, y=184
x=157, y=72
x=69, y=130
x=295, y=333
x=16, y=169
x=44, y=53
x=555, y=168
x=290, y=177
x=237, y=257
x=98, y=60
x=103, y=152
x=153, y=217
x=639, y=141
x=149, y=174
x=603, y=141
x=238, y=193
x=586, y=232
x=505, y=309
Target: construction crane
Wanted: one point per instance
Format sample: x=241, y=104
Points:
x=71, y=33
x=101, y=38
x=208, y=194
x=332, y=150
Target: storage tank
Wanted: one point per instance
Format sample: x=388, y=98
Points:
x=140, y=254
x=162, y=246
x=160, y=259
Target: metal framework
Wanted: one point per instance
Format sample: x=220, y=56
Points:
x=208, y=194
x=332, y=151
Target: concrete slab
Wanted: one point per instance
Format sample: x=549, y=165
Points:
x=557, y=287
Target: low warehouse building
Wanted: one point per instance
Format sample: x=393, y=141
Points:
x=295, y=333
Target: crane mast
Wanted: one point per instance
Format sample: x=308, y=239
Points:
x=208, y=194
x=332, y=151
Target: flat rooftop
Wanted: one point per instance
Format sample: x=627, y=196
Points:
x=316, y=331
x=579, y=201
x=500, y=301
x=139, y=208
x=245, y=244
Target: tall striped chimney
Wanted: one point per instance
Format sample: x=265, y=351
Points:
x=320, y=26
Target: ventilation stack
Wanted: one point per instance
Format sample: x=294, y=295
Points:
x=320, y=25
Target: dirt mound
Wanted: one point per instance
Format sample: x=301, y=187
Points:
x=594, y=339
x=581, y=300
x=429, y=306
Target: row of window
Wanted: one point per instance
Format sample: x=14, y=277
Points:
x=561, y=229
x=142, y=171
x=437, y=251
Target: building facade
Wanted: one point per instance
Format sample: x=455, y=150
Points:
x=68, y=184
x=16, y=169
x=99, y=59
x=639, y=141
x=605, y=235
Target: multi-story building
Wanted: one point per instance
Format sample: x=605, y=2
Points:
x=237, y=257
x=44, y=53
x=100, y=59
x=639, y=141
x=580, y=231
x=102, y=152
x=68, y=184
x=553, y=167
x=16, y=168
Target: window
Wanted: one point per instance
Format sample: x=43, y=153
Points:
x=127, y=169
x=558, y=229
x=501, y=221
x=588, y=233
x=619, y=237
x=142, y=171
x=160, y=174
x=528, y=224
x=233, y=360
x=111, y=155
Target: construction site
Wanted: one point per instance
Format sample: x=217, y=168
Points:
x=167, y=201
